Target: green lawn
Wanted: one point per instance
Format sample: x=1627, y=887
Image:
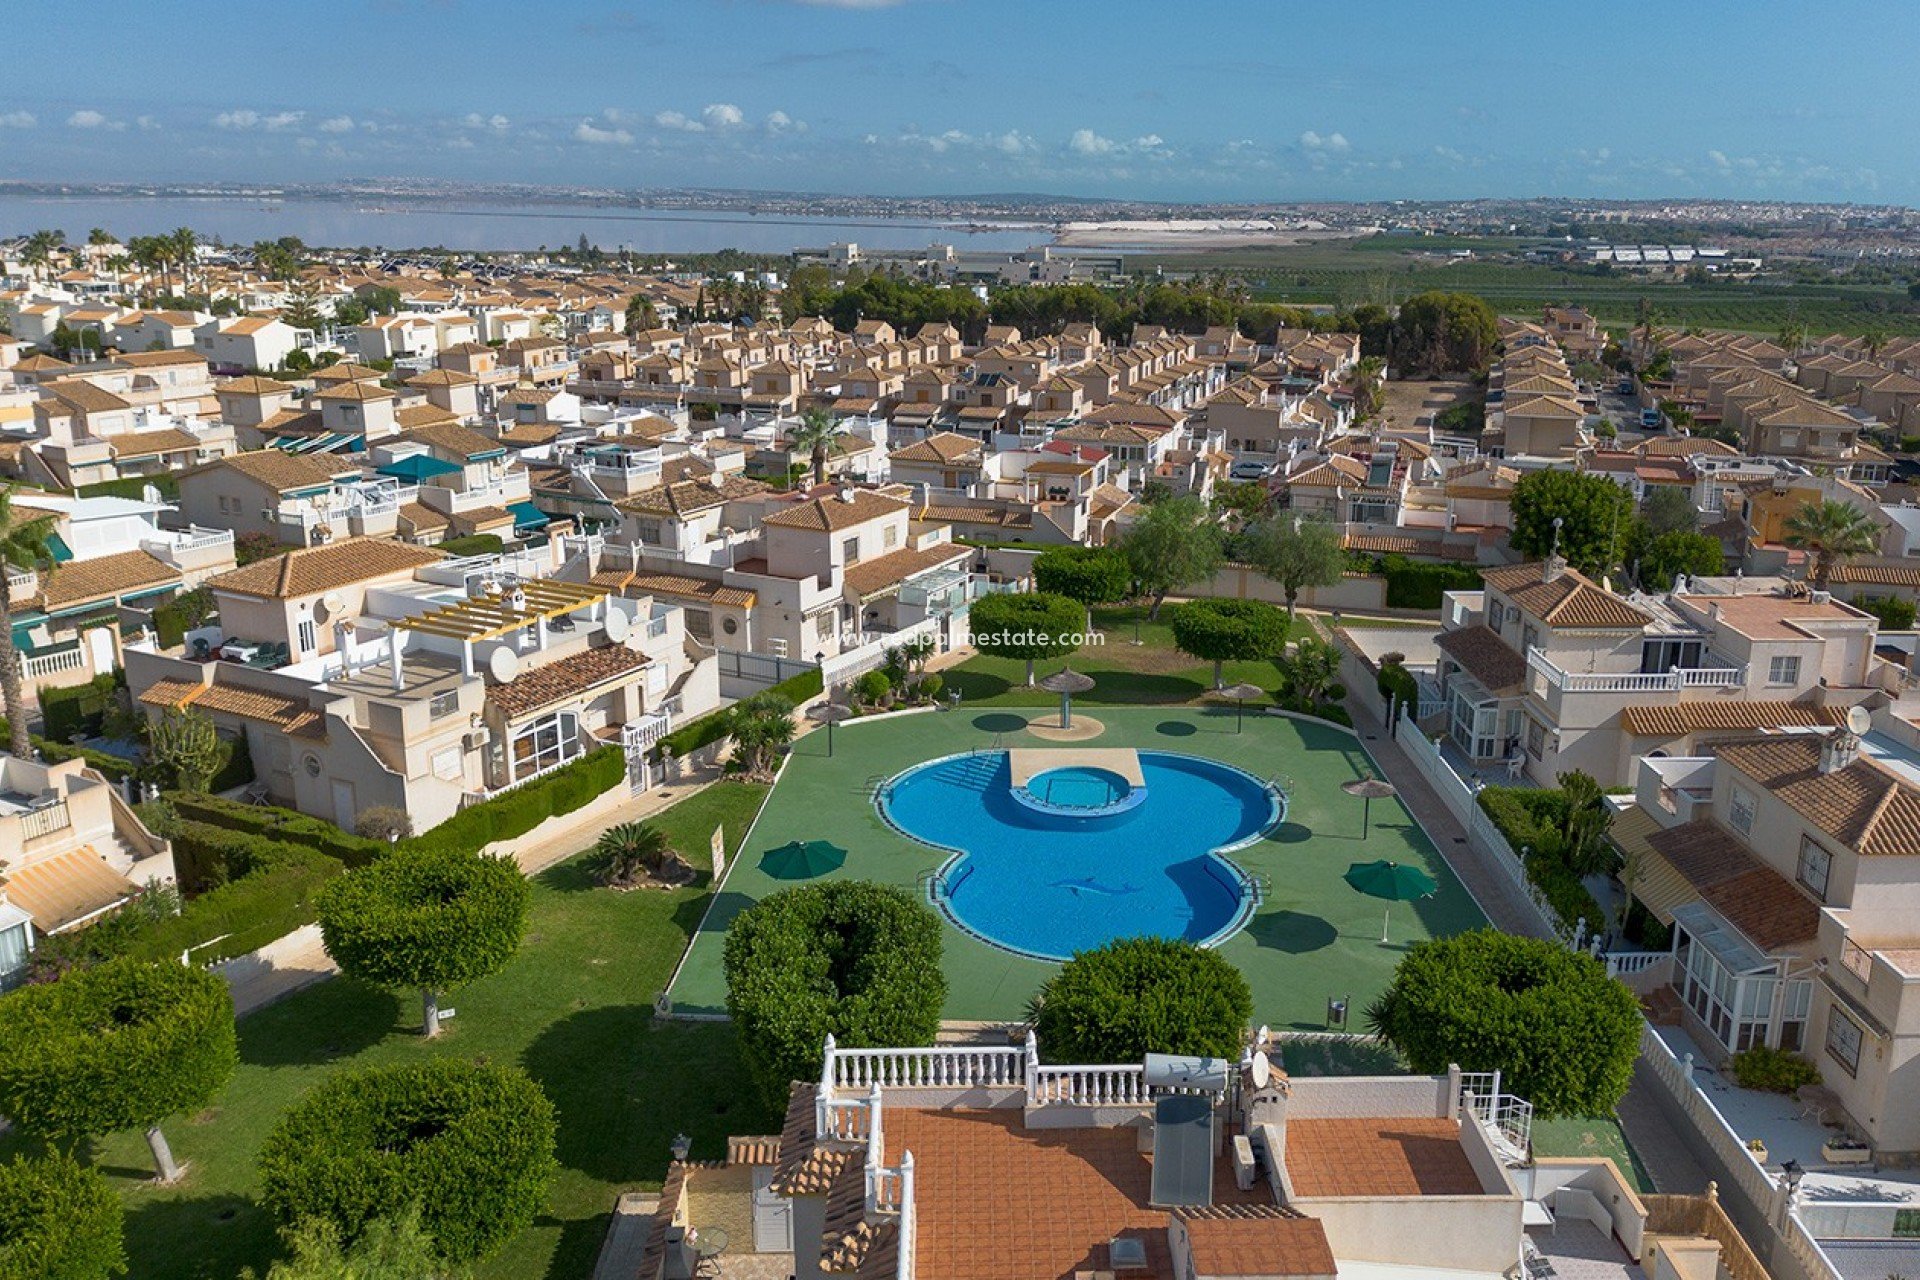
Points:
x=574, y=1008
x=1152, y=671
x=1312, y=938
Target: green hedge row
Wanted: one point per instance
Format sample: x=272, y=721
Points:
x=520, y=810
x=243, y=914
x=1525, y=815
x=712, y=727
x=284, y=825
x=78, y=708
x=1414, y=585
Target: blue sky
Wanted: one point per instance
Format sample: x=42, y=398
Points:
x=1172, y=99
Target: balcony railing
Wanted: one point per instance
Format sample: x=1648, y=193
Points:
x=39, y=665
x=1856, y=960
x=44, y=822
x=1636, y=682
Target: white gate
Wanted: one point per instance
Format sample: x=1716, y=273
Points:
x=636, y=739
x=772, y=1215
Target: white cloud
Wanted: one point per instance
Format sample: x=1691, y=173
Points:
x=1449, y=154
x=147, y=122
x=17, y=120
x=337, y=124
x=722, y=115
x=1720, y=160
x=1014, y=143
x=1089, y=143
x=779, y=122
x=474, y=120
x=677, y=120
x=90, y=119
x=245, y=118
x=587, y=131
x=1323, y=142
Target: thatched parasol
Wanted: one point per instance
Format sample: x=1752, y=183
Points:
x=1066, y=682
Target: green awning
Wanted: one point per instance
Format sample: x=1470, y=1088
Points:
x=417, y=467
x=528, y=516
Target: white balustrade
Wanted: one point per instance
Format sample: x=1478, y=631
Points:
x=1089, y=1086
x=1622, y=963
x=46, y=664
x=1637, y=681
x=41, y=822
x=939, y=1067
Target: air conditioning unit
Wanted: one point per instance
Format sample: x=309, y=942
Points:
x=1245, y=1168
x=473, y=741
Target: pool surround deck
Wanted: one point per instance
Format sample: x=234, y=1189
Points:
x=1027, y=763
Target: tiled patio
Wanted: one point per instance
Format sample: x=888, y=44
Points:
x=1779, y=1120
x=1393, y=1157
x=1581, y=1251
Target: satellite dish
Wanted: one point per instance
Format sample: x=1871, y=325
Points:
x=333, y=602
x=1262, y=1069
x=618, y=625
x=503, y=664
x=1859, y=720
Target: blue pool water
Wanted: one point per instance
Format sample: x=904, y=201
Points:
x=1078, y=787
x=1048, y=884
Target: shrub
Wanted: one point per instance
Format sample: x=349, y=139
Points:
x=378, y=822
x=432, y=919
x=58, y=1221
x=859, y=960
x=472, y=1145
x=122, y=1044
x=185, y=612
x=712, y=727
x=474, y=544
x=1396, y=682
x=1414, y=585
x=1136, y=996
x=627, y=851
x=1562, y=1032
x=1774, y=1070
x=1026, y=626
x=1895, y=613
x=1219, y=631
x=873, y=688
x=284, y=825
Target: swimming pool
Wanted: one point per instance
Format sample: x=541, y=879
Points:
x=1047, y=882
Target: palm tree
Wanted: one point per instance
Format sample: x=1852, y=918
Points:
x=182, y=244
x=40, y=247
x=815, y=435
x=1875, y=341
x=1834, y=532
x=22, y=541
x=625, y=852
x=99, y=236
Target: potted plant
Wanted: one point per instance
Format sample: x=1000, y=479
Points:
x=1757, y=1149
x=1844, y=1148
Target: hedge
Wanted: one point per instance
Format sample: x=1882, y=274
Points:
x=471, y=1144
x=1525, y=815
x=516, y=812
x=712, y=727
x=77, y=709
x=1413, y=585
x=474, y=544
x=278, y=825
x=244, y=914
x=58, y=1218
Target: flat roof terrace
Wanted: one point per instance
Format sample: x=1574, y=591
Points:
x=1379, y=1156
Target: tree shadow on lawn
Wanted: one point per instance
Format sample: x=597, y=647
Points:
x=338, y=1018
x=974, y=686
x=579, y=1247
x=571, y=876
x=1293, y=932
x=623, y=1085
x=208, y=1236
x=1120, y=688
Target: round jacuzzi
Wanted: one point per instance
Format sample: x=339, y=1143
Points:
x=1079, y=791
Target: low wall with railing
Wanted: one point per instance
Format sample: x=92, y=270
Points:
x=1748, y=1190
x=1359, y=1097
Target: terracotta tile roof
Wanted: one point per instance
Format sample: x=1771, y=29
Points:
x=688, y=497
x=59, y=890
x=311, y=570
x=807, y=1166
x=942, y=446
x=1862, y=805
x=829, y=515
x=1757, y=900
x=868, y=577
x=103, y=578
x=421, y=518
x=146, y=444
x=282, y=471
x=673, y=584
x=84, y=396
x=251, y=385
x=1880, y=575
x=450, y=438
x=1486, y=657
x=1570, y=601
x=753, y=1150
x=289, y=714
x=1689, y=717
x=1269, y=1243
x=569, y=677
x=418, y=416
x=481, y=520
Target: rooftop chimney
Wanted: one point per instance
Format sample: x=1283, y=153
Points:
x=1840, y=749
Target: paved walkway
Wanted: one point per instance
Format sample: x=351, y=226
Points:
x=299, y=960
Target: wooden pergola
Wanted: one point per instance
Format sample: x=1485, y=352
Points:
x=503, y=613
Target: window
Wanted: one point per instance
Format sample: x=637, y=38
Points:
x=443, y=704
x=1843, y=1041
x=1906, y=1224
x=308, y=637
x=1740, y=811
x=850, y=550
x=1816, y=864
x=1536, y=738
x=1529, y=638
x=446, y=763
x=1496, y=615
x=890, y=536
x=1783, y=671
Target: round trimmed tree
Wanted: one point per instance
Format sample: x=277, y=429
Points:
x=1561, y=1032
x=58, y=1219
x=1028, y=626
x=120, y=1045
x=1090, y=575
x=435, y=919
x=470, y=1144
x=1222, y=630
x=1135, y=996
x=856, y=959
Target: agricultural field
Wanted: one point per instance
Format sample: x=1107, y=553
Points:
x=1387, y=268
